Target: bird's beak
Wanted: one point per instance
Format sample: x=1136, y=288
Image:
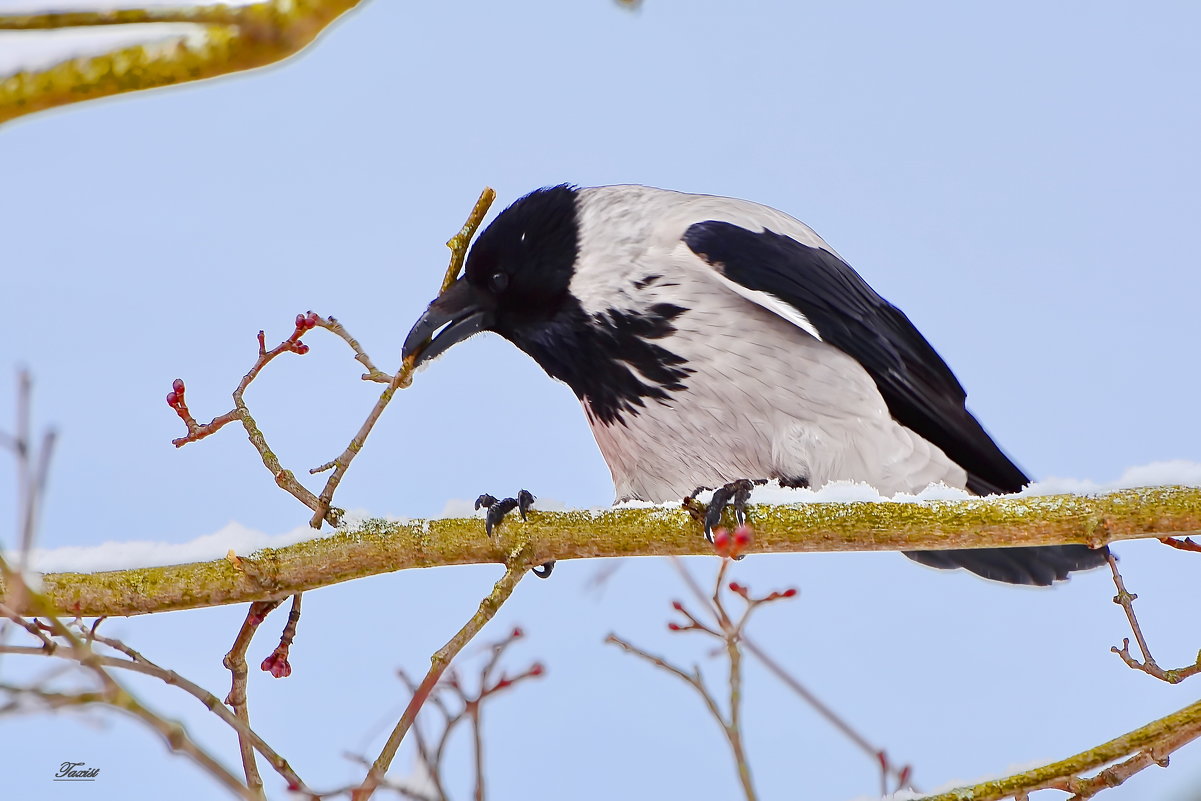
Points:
x=462, y=309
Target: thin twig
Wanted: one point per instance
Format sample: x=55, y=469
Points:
x=117, y=696
x=48, y=645
x=235, y=662
x=277, y=663
x=1186, y=544
x=33, y=470
x=900, y=775
x=730, y=633
x=458, y=245
x=323, y=512
x=285, y=479
x=439, y=662
x=138, y=663
x=1125, y=599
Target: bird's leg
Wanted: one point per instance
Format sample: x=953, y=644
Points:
x=497, y=509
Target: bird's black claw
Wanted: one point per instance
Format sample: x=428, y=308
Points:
x=736, y=493
x=525, y=499
x=497, y=509
x=496, y=513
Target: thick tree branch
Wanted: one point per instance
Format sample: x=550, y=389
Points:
x=380, y=546
x=232, y=39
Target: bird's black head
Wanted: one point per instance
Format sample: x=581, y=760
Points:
x=515, y=281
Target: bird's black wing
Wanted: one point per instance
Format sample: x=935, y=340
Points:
x=921, y=391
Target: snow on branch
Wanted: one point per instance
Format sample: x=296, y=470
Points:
x=379, y=546
x=225, y=39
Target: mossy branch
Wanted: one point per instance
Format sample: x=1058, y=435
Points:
x=1140, y=748
x=233, y=39
x=380, y=546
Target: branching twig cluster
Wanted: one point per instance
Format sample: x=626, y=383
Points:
x=1148, y=665
x=729, y=629
x=439, y=662
x=72, y=642
x=77, y=643
x=464, y=706
x=286, y=479
x=892, y=776
x=1120, y=758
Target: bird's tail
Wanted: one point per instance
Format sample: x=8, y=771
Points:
x=1038, y=566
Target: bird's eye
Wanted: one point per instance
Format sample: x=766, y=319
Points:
x=499, y=282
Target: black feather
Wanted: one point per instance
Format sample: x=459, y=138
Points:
x=611, y=359
x=921, y=392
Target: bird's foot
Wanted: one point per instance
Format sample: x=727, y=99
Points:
x=497, y=509
x=735, y=494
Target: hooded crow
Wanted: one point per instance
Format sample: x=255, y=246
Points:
x=712, y=341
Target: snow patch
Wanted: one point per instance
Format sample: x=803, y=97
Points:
x=140, y=553
x=39, y=50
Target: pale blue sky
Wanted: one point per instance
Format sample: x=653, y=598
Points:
x=1022, y=180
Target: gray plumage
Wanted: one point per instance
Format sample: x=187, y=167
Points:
x=767, y=399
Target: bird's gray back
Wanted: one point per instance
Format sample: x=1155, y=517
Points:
x=764, y=397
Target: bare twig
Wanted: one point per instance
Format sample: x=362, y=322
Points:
x=729, y=630
x=373, y=373
x=439, y=662
x=1148, y=665
x=902, y=775
x=112, y=693
x=469, y=709
x=286, y=479
x=235, y=663
x=458, y=245
x=277, y=663
x=48, y=645
x=1186, y=544
x=138, y=663
x=33, y=465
